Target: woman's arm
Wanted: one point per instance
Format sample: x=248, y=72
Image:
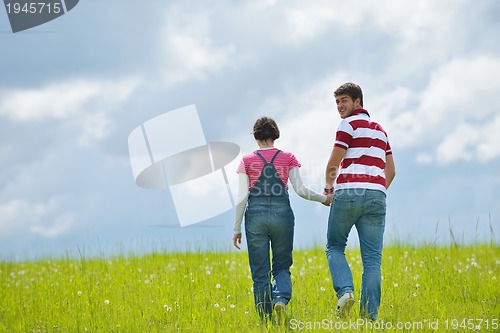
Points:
x=302, y=190
x=241, y=204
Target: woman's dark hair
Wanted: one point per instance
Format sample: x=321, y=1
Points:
x=265, y=128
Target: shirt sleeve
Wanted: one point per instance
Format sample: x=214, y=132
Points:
x=241, y=202
x=302, y=190
x=344, y=134
x=388, y=151
x=241, y=167
x=293, y=162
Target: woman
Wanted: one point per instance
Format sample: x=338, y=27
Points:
x=269, y=219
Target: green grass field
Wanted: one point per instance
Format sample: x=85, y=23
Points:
x=425, y=288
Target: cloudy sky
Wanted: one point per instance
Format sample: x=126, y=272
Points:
x=73, y=89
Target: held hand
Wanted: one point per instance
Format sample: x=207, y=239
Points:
x=328, y=201
x=237, y=240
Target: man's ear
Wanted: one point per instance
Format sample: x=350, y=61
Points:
x=357, y=103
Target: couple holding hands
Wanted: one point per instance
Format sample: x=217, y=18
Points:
x=358, y=173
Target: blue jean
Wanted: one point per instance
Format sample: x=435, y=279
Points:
x=269, y=224
x=365, y=209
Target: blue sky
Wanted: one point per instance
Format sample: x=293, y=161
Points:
x=73, y=89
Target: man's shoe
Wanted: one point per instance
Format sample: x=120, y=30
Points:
x=345, y=304
x=281, y=315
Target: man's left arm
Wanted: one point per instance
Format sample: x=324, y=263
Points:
x=333, y=166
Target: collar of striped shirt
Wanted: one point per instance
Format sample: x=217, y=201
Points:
x=358, y=111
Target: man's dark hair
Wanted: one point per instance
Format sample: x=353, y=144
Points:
x=352, y=90
x=265, y=128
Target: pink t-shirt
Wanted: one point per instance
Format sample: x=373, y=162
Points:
x=251, y=164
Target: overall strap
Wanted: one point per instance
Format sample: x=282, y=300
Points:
x=262, y=157
x=272, y=160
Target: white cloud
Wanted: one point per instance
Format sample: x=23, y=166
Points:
x=189, y=48
x=84, y=103
x=94, y=126
x=467, y=142
x=457, y=145
x=20, y=217
x=60, y=225
x=61, y=100
x=305, y=21
x=464, y=88
x=412, y=23
x=262, y=4
x=455, y=117
x=53, y=101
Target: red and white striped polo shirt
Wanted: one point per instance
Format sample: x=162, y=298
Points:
x=367, y=146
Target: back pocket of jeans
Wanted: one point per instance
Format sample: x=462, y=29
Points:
x=377, y=208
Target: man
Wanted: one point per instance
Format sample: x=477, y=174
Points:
x=359, y=171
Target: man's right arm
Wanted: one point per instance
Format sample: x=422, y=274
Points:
x=390, y=170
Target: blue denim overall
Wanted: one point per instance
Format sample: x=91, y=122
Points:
x=269, y=223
